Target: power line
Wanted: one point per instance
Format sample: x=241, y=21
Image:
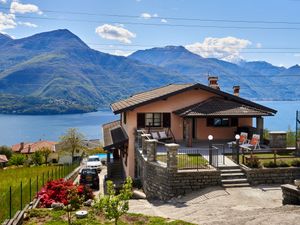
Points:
x=168, y=18
x=163, y=25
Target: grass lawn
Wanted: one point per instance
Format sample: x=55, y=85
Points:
x=187, y=161
x=13, y=177
x=50, y=217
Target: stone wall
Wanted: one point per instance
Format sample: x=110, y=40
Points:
x=290, y=194
x=272, y=175
x=162, y=182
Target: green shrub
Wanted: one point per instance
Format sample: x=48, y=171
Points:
x=270, y=164
x=296, y=163
x=37, y=158
x=16, y=160
x=5, y=150
x=253, y=162
x=282, y=163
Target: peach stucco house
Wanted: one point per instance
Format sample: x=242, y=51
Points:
x=190, y=112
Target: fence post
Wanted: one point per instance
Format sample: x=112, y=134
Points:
x=37, y=184
x=52, y=174
x=30, y=192
x=210, y=138
x=10, y=203
x=275, y=155
x=21, y=197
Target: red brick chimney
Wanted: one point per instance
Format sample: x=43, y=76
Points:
x=21, y=146
x=236, y=90
x=213, y=82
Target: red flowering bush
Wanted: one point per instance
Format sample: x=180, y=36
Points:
x=58, y=191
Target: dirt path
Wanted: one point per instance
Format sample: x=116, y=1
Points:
x=237, y=206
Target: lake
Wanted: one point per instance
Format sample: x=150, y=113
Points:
x=17, y=128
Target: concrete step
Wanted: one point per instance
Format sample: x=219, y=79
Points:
x=234, y=181
x=236, y=185
x=228, y=167
x=231, y=171
x=232, y=175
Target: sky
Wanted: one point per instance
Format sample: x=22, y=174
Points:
x=231, y=30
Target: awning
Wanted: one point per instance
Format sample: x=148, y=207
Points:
x=217, y=107
x=114, y=136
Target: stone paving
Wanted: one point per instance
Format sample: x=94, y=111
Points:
x=213, y=206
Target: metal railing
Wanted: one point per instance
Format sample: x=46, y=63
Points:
x=218, y=155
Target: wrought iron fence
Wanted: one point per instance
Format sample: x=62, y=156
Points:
x=17, y=196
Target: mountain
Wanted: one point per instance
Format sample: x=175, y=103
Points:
x=57, y=72
x=257, y=79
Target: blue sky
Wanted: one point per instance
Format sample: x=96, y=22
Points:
x=123, y=35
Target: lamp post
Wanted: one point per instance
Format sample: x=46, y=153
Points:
x=237, y=147
x=210, y=138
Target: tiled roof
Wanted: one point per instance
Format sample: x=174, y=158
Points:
x=113, y=134
x=216, y=106
x=147, y=96
x=28, y=148
x=3, y=159
x=173, y=89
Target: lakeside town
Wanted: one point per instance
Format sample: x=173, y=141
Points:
x=149, y=112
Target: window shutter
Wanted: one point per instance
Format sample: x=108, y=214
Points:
x=210, y=122
x=234, y=122
x=140, y=120
x=167, y=120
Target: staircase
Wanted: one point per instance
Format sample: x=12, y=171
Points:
x=233, y=176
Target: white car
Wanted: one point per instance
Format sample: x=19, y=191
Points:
x=94, y=162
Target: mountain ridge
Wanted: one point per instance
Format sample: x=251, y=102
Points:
x=56, y=72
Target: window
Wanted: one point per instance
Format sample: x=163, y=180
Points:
x=153, y=120
x=222, y=122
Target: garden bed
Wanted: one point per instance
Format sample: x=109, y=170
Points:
x=52, y=217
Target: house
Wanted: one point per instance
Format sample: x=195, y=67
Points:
x=189, y=112
x=3, y=160
x=28, y=148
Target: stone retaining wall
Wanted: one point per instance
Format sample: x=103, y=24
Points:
x=272, y=175
x=162, y=182
x=290, y=194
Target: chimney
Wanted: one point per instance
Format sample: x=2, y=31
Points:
x=213, y=82
x=236, y=90
x=21, y=146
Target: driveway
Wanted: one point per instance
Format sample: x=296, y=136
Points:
x=237, y=206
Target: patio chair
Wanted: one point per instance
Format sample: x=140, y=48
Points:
x=253, y=144
x=243, y=139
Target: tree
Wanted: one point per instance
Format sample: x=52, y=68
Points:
x=5, y=150
x=37, y=158
x=72, y=141
x=45, y=151
x=16, y=160
x=114, y=206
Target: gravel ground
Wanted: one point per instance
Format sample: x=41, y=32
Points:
x=237, y=206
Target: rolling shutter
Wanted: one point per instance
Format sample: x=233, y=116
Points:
x=167, y=120
x=141, y=120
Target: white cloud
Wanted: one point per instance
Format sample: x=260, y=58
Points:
x=163, y=21
x=258, y=45
x=227, y=48
x=7, y=21
x=121, y=53
x=3, y=1
x=148, y=15
x=117, y=33
x=17, y=7
x=28, y=24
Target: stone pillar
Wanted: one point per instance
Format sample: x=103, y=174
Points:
x=139, y=138
x=144, y=144
x=260, y=127
x=151, y=150
x=172, y=151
